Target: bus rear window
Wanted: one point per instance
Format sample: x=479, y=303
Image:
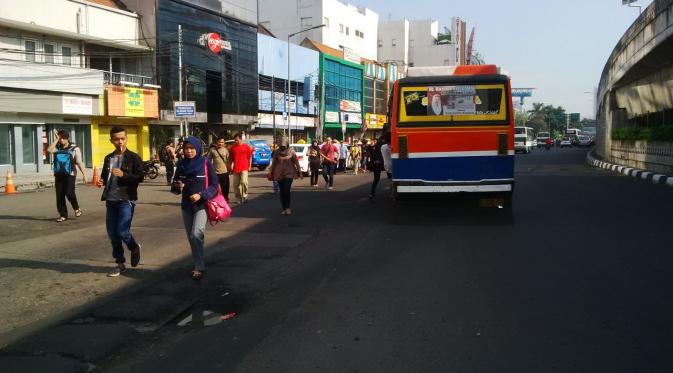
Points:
x=453, y=103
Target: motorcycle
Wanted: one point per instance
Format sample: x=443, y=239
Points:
x=151, y=168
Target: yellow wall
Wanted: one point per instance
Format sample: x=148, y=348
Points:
x=138, y=132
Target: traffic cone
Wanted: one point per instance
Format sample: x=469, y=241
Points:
x=9, y=185
x=95, y=178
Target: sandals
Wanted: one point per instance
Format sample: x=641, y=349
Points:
x=78, y=213
x=197, y=275
x=61, y=219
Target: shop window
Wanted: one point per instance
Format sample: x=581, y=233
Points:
x=28, y=143
x=49, y=53
x=29, y=46
x=5, y=142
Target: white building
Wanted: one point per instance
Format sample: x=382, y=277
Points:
x=347, y=26
x=420, y=43
x=56, y=59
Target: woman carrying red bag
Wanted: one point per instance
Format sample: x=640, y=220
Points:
x=190, y=180
x=284, y=169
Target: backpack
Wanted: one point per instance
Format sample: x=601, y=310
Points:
x=64, y=160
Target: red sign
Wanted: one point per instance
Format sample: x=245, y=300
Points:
x=214, y=42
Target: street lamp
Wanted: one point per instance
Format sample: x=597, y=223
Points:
x=289, y=85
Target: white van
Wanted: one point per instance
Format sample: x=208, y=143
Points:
x=524, y=139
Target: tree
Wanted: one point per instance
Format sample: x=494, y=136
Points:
x=544, y=117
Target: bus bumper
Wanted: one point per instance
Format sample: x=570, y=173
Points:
x=499, y=186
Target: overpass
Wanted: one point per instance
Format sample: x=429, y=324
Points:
x=636, y=91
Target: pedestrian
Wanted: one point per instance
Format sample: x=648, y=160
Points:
x=284, y=169
x=343, y=155
x=122, y=172
x=167, y=156
x=387, y=156
x=314, y=162
x=67, y=157
x=178, y=150
x=355, y=157
x=190, y=181
x=241, y=157
x=219, y=155
x=330, y=156
x=364, y=153
x=376, y=165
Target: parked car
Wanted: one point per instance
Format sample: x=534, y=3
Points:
x=583, y=140
x=302, y=156
x=261, y=157
x=566, y=141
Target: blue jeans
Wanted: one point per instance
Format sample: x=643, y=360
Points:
x=195, y=227
x=328, y=170
x=118, y=222
x=276, y=188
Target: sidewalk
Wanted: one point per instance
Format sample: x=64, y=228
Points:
x=51, y=270
x=630, y=171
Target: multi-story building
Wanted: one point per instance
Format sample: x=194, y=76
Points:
x=341, y=87
x=347, y=27
x=272, y=65
x=420, y=43
x=218, y=45
x=62, y=66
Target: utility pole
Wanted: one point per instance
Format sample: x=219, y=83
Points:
x=180, y=72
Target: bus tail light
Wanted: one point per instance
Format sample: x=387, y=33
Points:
x=502, y=144
x=402, y=143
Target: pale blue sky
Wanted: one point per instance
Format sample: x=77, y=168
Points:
x=557, y=46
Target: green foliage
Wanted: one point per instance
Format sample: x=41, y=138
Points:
x=658, y=133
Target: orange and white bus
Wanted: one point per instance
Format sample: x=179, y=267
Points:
x=452, y=131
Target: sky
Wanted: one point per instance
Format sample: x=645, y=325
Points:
x=559, y=47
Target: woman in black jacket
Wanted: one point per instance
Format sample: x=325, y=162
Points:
x=314, y=162
x=190, y=178
x=376, y=164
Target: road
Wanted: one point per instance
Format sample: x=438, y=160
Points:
x=578, y=280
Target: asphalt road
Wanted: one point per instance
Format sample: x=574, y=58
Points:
x=578, y=280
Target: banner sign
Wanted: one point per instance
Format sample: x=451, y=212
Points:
x=352, y=106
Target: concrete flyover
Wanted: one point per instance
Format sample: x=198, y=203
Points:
x=636, y=91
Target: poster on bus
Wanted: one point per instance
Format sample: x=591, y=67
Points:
x=452, y=100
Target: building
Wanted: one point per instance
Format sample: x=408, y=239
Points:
x=272, y=65
x=62, y=66
x=341, y=86
x=347, y=27
x=420, y=43
x=218, y=46
x=378, y=84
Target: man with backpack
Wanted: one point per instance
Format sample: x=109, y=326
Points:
x=122, y=172
x=66, y=156
x=167, y=157
x=219, y=155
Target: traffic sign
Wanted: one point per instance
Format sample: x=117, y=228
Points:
x=184, y=109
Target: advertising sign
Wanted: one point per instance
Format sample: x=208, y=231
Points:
x=353, y=106
x=132, y=102
x=77, y=105
x=214, y=42
x=351, y=55
x=184, y=109
x=452, y=100
x=331, y=117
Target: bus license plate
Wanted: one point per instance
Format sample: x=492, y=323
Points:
x=491, y=202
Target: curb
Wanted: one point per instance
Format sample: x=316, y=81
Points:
x=629, y=171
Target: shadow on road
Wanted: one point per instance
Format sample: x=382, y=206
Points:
x=69, y=267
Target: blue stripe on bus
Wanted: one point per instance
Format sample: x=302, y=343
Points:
x=454, y=168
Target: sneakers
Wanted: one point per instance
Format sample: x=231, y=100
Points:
x=118, y=270
x=330, y=188
x=135, y=256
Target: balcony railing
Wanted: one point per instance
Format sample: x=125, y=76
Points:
x=120, y=78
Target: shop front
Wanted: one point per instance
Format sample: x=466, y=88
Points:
x=128, y=107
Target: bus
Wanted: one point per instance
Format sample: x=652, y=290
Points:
x=524, y=140
x=452, y=131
